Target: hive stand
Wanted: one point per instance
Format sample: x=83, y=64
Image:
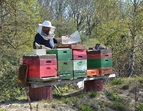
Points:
x=43, y=90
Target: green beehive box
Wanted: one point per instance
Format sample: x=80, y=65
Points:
x=65, y=69
x=66, y=74
x=99, y=63
x=62, y=54
x=80, y=73
x=79, y=65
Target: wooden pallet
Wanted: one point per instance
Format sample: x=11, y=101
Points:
x=93, y=76
x=104, y=74
x=79, y=77
x=46, y=79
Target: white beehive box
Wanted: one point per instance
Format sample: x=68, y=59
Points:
x=39, y=51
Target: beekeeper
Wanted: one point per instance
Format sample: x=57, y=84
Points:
x=45, y=38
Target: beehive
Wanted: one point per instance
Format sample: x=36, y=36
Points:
x=97, y=54
x=99, y=63
x=79, y=54
x=65, y=69
x=41, y=65
x=61, y=53
x=92, y=72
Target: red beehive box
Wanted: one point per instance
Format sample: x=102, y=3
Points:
x=41, y=66
x=79, y=54
x=39, y=60
x=42, y=71
x=96, y=54
x=92, y=72
x=95, y=85
x=36, y=94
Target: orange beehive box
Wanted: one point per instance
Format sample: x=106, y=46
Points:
x=92, y=72
x=105, y=70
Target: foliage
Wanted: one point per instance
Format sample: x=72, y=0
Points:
x=18, y=21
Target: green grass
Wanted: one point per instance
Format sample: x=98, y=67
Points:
x=93, y=94
x=140, y=79
x=140, y=107
x=119, y=106
x=85, y=108
x=2, y=110
x=117, y=81
x=53, y=105
x=114, y=96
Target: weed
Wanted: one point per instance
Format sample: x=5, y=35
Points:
x=117, y=81
x=85, y=108
x=119, y=106
x=102, y=106
x=140, y=107
x=140, y=80
x=93, y=94
x=83, y=95
x=113, y=96
x=67, y=101
x=118, y=102
x=57, y=96
x=125, y=87
x=74, y=100
x=53, y=105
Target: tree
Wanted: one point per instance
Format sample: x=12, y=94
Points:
x=19, y=19
x=135, y=20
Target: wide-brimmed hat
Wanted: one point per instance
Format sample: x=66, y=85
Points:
x=47, y=24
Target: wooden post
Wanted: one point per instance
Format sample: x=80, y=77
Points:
x=95, y=85
x=40, y=93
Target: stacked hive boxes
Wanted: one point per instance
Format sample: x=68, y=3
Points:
x=65, y=64
x=41, y=66
x=79, y=62
x=100, y=60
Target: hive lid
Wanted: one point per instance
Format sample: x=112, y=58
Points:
x=103, y=51
x=33, y=56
